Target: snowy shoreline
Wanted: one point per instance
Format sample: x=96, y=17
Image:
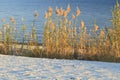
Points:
x=25, y=68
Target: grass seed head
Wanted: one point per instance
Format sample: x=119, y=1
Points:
x=61, y=11
x=12, y=19
x=45, y=15
x=77, y=12
x=73, y=16
x=68, y=8
x=57, y=11
x=95, y=27
x=65, y=14
x=35, y=14
x=101, y=33
x=50, y=9
x=117, y=4
x=49, y=12
x=82, y=24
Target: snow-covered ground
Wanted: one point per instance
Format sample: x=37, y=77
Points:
x=24, y=68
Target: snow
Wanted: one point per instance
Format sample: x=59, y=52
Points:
x=25, y=68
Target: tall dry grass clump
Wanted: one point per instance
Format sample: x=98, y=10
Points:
x=56, y=34
x=63, y=38
x=8, y=35
x=114, y=33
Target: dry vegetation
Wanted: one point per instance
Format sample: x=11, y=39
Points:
x=64, y=38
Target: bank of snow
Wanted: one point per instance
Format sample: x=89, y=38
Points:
x=24, y=68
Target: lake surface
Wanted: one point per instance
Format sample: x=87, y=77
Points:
x=91, y=10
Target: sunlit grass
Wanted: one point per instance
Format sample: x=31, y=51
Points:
x=64, y=36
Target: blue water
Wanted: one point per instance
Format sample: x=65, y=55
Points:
x=91, y=10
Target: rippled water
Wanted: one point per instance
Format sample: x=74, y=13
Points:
x=91, y=10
